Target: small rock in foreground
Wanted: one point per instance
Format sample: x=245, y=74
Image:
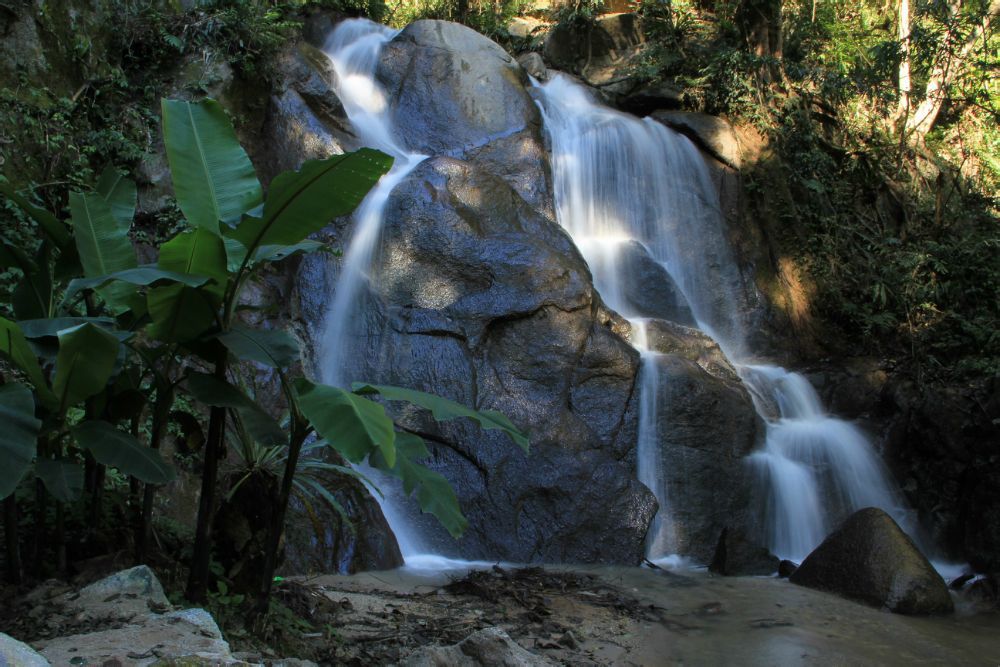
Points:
x=19, y=654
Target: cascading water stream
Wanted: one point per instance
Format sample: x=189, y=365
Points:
x=353, y=49
x=619, y=179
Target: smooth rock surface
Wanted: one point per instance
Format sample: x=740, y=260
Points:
x=480, y=299
x=736, y=555
x=871, y=560
x=305, y=119
x=489, y=647
x=18, y=654
x=691, y=344
x=648, y=290
x=191, y=632
x=711, y=133
x=454, y=92
x=706, y=426
x=124, y=595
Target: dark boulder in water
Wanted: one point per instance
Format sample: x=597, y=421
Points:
x=786, y=568
x=870, y=559
x=736, y=555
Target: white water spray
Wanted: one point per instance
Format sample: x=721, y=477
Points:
x=619, y=178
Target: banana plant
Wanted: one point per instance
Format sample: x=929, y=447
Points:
x=233, y=232
x=186, y=306
x=70, y=363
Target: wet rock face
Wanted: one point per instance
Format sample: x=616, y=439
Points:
x=480, y=299
x=454, y=92
x=871, y=560
x=941, y=444
x=706, y=425
x=711, y=133
x=318, y=539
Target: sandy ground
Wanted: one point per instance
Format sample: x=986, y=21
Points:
x=631, y=616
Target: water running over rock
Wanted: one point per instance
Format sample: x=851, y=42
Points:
x=474, y=293
x=622, y=183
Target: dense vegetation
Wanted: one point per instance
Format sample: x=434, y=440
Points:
x=882, y=170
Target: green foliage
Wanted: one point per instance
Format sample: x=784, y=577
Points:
x=212, y=391
x=902, y=267
x=488, y=18
x=214, y=181
x=353, y=425
x=118, y=449
x=443, y=409
x=62, y=478
x=434, y=493
x=17, y=438
x=86, y=361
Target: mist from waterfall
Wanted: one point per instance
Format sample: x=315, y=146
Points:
x=619, y=179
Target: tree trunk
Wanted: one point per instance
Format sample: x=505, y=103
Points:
x=904, y=58
x=760, y=23
x=197, y=587
x=277, y=526
x=949, y=65
x=161, y=413
x=40, y=529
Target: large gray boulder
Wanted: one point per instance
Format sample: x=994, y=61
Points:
x=598, y=51
x=870, y=559
x=454, y=92
x=190, y=636
x=706, y=425
x=712, y=133
x=123, y=596
x=480, y=299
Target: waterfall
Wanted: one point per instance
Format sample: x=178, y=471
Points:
x=353, y=49
x=620, y=181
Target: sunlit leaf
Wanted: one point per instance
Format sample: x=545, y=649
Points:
x=102, y=242
x=213, y=178
x=302, y=202
x=352, y=424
